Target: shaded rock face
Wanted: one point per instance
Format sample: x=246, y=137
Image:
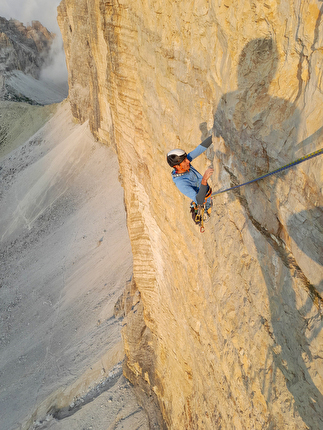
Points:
x=234, y=315
x=24, y=52
x=23, y=48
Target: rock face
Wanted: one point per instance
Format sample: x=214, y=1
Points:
x=232, y=317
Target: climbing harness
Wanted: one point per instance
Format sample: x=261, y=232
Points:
x=287, y=166
x=200, y=214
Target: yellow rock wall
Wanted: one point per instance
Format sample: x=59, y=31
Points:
x=234, y=315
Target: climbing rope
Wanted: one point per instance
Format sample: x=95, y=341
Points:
x=287, y=166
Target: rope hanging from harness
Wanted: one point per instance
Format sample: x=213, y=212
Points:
x=280, y=169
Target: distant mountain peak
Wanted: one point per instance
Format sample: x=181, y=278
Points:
x=25, y=50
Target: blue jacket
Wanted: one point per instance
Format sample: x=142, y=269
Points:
x=189, y=183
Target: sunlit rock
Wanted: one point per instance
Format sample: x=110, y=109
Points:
x=234, y=314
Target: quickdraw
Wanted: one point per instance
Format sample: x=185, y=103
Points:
x=199, y=214
x=199, y=218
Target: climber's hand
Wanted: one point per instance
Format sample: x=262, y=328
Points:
x=208, y=173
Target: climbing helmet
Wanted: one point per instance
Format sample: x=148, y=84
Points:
x=175, y=157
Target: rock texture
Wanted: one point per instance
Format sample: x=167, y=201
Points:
x=233, y=316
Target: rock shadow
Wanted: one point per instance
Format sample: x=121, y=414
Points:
x=260, y=133
x=306, y=229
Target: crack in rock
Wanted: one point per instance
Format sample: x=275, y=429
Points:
x=280, y=247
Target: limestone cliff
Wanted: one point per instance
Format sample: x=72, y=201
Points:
x=233, y=317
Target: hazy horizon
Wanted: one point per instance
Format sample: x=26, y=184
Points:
x=26, y=11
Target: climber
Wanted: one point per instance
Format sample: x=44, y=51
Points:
x=188, y=180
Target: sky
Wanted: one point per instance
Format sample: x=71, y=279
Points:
x=44, y=11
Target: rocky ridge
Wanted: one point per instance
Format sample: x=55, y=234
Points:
x=24, y=48
x=24, y=52
x=231, y=320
